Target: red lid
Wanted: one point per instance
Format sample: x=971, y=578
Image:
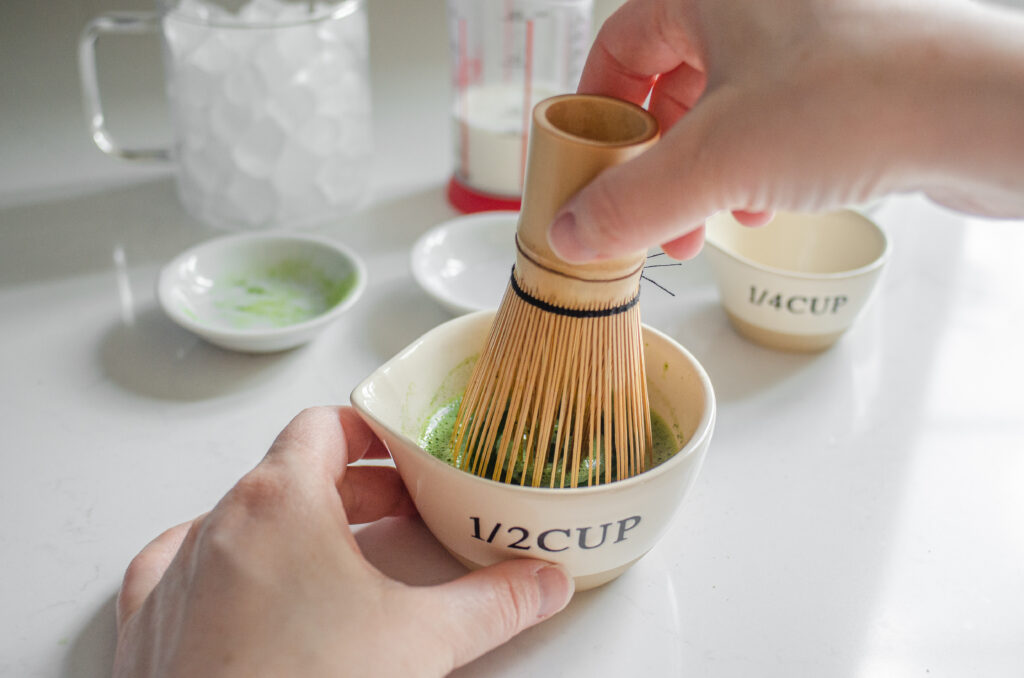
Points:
x=468, y=200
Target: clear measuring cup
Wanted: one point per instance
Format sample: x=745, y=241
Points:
x=507, y=55
x=269, y=103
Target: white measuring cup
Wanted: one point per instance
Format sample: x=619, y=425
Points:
x=269, y=103
x=507, y=56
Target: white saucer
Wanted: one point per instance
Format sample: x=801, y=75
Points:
x=465, y=263
x=261, y=292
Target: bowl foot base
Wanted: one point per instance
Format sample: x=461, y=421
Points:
x=795, y=343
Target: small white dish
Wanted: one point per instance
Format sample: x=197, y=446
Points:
x=465, y=263
x=261, y=292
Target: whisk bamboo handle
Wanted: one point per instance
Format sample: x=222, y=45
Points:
x=560, y=385
x=573, y=139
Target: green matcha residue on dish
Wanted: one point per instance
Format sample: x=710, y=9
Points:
x=289, y=292
x=436, y=439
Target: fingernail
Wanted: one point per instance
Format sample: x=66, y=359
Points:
x=556, y=589
x=753, y=219
x=564, y=240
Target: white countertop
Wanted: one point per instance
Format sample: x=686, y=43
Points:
x=861, y=511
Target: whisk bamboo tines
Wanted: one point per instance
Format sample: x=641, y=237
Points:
x=558, y=397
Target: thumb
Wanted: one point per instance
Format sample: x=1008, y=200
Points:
x=487, y=607
x=661, y=195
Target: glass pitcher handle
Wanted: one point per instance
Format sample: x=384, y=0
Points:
x=132, y=23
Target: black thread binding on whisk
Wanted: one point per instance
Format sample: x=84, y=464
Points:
x=570, y=312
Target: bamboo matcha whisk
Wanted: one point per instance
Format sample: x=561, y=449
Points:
x=558, y=397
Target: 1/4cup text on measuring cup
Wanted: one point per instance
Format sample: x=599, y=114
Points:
x=797, y=304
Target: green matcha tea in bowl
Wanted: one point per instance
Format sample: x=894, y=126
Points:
x=596, y=531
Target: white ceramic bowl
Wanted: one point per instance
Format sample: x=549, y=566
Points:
x=799, y=282
x=261, y=292
x=465, y=263
x=595, y=532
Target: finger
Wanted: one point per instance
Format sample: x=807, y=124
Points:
x=312, y=447
x=325, y=440
x=486, y=608
x=146, y=570
x=363, y=443
x=370, y=493
x=675, y=93
x=315, y=448
x=687, y=246
x=641, y=40
x=753, y=219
